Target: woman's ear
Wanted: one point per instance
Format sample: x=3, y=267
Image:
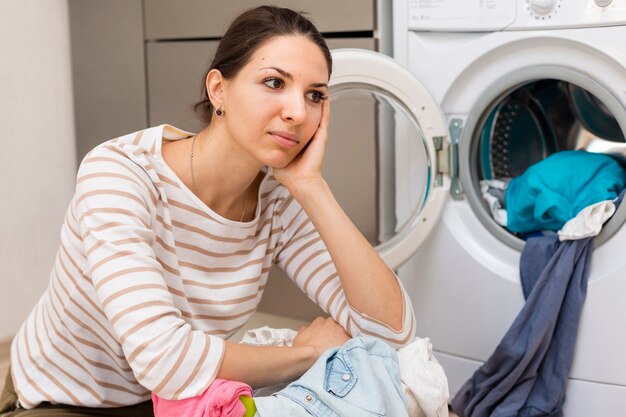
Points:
x=215, y=87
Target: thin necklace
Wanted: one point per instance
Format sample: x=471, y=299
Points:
x=193, y=180
x=191, y=155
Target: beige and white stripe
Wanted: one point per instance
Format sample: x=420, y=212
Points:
x=148, y=282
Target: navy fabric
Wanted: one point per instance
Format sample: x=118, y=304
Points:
x=535, y=257
x=619, y=199
x=527, y=374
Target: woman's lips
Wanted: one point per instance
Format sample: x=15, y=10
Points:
x=285, y=139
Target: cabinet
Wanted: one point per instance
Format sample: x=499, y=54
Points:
x=202, y=19
x=108, y=70
x=138, y=64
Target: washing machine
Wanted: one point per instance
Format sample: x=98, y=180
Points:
x=483, y=89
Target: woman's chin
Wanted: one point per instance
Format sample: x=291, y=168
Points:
x=278, y=162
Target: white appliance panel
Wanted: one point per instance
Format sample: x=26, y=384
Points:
x=496, y=15
x=484, y=267
x=464, y=282
x=582, y=398
x=461, y=15
x=562, y=14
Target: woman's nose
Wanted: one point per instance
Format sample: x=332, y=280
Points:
x=294, y=109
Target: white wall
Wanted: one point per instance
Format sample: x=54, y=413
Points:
x=37, y=149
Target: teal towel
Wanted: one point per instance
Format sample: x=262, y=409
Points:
x=554, y=190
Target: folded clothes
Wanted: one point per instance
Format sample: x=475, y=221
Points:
x=556, y=189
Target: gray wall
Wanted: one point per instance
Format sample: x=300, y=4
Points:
x=37, y=158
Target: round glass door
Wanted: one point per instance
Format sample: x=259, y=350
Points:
x=381, y=161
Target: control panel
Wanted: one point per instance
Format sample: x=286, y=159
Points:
x=561, y=14
x=496, y=15
x=461, y=15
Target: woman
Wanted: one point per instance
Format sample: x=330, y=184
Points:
x=170, y=236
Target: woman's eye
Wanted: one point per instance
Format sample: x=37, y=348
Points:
x=273, y=83
x=315, y=96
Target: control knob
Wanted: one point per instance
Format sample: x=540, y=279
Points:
x=603, y=3
x=544, y=7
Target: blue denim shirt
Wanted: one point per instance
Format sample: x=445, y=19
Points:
x=360, y=378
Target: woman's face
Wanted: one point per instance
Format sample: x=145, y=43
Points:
x=274, y=104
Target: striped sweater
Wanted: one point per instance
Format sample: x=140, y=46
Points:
x=148, y=282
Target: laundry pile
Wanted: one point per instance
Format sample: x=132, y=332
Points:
x=574, y=193
x=375, y=380
x=364, y=377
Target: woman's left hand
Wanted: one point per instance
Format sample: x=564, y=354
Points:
x=307, y=166
x=322, y=333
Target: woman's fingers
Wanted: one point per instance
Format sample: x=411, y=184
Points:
x=322, y=129
x=322, y=333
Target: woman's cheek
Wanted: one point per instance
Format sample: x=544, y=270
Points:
x=317, y=118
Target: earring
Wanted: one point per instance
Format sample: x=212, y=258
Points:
x=219, y=111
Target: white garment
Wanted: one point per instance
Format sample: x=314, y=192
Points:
x=497, y=212
x=588, y=222
x=266, y=336
x=422, y=378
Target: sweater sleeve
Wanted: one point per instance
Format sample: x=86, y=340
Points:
x=305, y=259
x=115, y=207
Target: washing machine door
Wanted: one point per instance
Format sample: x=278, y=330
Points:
x=413, y=180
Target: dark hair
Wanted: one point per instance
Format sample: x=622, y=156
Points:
x=249, y=31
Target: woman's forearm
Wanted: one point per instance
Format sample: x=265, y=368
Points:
x=369, y=285
x=260, y=366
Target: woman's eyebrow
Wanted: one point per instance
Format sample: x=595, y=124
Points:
x=289, y=76
x=280, y=71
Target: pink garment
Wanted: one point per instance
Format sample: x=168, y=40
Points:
x=220, y=399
